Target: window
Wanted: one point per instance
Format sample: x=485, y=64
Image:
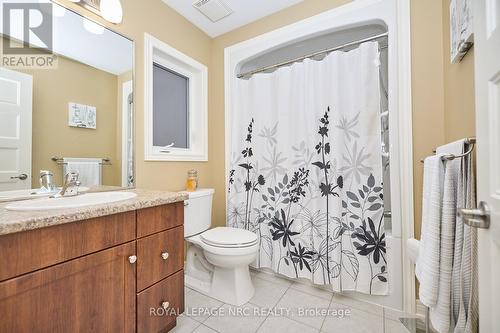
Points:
x=170, y=108
x=175, y=105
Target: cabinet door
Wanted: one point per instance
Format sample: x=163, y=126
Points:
x=95, y=293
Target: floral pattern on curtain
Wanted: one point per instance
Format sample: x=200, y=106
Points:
x=306, y=170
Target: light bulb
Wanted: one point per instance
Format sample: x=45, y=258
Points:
x=112, y=11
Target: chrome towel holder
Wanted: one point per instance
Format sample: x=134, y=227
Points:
x=60, y=160
x=449, y=157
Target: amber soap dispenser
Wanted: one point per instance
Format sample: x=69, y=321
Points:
x=192, y=181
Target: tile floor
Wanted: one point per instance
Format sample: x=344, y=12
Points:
x=205, y=314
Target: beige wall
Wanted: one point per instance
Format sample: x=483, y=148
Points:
x=216, y=83
x=52, y=91
x=159, y=20
x=427, y=89
x=154, y=17
x=431, y=125
x=442, y=93
x=459, y=102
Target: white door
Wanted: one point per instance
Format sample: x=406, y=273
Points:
x=15, y=130
x=487, y=69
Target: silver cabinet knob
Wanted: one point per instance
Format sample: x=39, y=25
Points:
x=478, y=217
x=165, y=304
x=22, y=176
x=164, y=255
x=132, y=259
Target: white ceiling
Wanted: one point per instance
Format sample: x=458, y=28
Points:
x=244, y=12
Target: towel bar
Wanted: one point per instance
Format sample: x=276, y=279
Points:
x=449, y=157
x=60, y=160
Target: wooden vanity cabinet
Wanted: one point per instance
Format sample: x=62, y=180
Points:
x=95, y=275
x=94, y=293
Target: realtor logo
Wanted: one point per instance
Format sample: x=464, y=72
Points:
x=27, y=30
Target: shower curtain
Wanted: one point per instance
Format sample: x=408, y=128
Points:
x=306, y=170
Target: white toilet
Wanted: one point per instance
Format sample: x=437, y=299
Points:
x=217, y=259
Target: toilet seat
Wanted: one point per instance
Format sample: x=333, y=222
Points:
x=227, y=237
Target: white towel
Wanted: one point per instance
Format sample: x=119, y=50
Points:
x=89, y=170
x=468, y=320
x=427, y=265
x=441, y=312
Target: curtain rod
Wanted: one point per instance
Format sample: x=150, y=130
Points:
x=287, y=62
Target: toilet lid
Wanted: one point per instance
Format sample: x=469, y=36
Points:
x=229, y=237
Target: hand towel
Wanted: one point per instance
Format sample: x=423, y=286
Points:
x=427, y=265
x=89, y=170
x=429, y=165
x=468, y=317
x=441, y=313
x=456, y=148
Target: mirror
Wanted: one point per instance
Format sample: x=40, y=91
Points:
x=71, y=113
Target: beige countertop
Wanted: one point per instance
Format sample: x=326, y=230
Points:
x=16, y=221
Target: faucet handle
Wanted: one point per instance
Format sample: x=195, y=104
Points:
x=70, y=185
x=71, y=177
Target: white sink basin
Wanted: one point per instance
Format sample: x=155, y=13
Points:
x=30, y=194
x=81, y=200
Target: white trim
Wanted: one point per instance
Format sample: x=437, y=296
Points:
x=396, y=15
x=406, y=150
x=127, y=89
x=160, y=52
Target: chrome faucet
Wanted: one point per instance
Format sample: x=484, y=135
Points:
x=70, y=185
x=46, y=182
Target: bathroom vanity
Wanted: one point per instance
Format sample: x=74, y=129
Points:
x=107, y=268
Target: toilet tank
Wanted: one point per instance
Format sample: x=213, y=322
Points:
x=198, y=211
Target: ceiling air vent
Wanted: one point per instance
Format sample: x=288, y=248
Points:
x=215, y=10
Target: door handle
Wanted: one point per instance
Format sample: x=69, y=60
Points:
x=477, y=217
x=22, y=176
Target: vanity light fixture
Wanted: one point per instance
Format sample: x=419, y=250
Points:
x=110, y=10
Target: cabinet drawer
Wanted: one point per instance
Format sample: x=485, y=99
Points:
x=159, y=255
x=159, y=218
x=159, y=305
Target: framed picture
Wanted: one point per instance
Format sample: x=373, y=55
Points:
x=83, y=116
x=461, y=29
